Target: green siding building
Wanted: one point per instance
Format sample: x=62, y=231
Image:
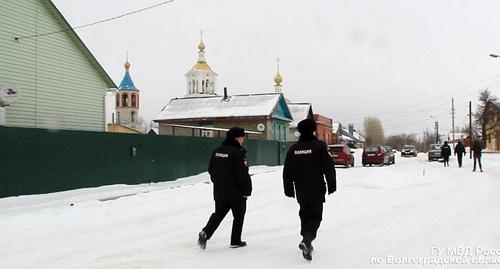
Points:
x=62, y=86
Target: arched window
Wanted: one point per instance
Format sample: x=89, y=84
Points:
x=118, y=117
x=134, y=104
x=197, y=89
x=193, y=86
x=189, y=87
x=203, y=86
x=118, y=100
x=132, y=116
x=124, y=99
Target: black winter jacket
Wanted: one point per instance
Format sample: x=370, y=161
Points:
x=460, y=149
x=307, y=164
x=228, y=171
x=445, y=151
x=477, y=147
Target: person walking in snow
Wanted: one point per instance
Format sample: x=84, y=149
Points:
x=477, y=148
x=307, y=164
x=459, y=151
x=228, y=171
x=445, y=153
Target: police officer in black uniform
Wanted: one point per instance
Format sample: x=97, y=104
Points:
x=459, y=151
x=228, y=171
x=477, y=148
x=307, y=164
x=445, y=153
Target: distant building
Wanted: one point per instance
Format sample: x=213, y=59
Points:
x=324, y=130
x=61, y=84
x=463, y=137
x=204, y=113
x=493, y=127
x=300, y=111
x=127, y=105
x=347, y=136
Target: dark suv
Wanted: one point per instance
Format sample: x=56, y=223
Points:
x=434, y=153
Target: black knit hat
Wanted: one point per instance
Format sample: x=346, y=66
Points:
x=235, y=132
x=307, y=126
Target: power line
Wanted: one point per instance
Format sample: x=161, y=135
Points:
x=402, y=112
x=98, y=22
x=427, y=101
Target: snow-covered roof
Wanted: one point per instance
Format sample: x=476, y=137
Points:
x=347, y=138
x=208, y=128
x=358, y=136
x=155, y=130
x=355, y=136
x=458, y=135
x=299, y=111
x=250, y=105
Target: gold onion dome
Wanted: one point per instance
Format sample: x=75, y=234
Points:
x=278, y=79
x=127, y=65
x=201, y=46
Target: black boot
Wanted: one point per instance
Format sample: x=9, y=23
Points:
x=307, y=249
x=202, y=240
x=238, y=244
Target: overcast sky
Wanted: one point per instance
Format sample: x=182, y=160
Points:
x=401, y=61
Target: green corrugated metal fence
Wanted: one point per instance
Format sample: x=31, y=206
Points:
x=36, y=161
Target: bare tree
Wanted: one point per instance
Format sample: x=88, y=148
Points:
x=399, y=140
x=374, y=133
x=427, y=139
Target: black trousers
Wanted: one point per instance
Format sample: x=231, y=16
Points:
x=446, y=160
x=459, y=158
x=478, y=158
x=310, y=219
x=238, y=208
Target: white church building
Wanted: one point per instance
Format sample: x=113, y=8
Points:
x=203, y=112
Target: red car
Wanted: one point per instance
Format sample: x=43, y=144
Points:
x=375, y=154
x=341, y=155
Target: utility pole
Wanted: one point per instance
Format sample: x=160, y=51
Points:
x=436, y=130
x=470, y=129
x=453, y=120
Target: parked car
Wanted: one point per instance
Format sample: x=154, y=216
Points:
x=434, y=153
x=409, y=150
x=390, y=153
x=374, y=154
x=341, y=155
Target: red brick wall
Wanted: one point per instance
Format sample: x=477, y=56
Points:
x=324, y=129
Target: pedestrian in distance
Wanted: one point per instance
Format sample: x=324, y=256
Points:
x=307, y=164
x=477, y=149
x=459, y=151
x=228, y=171
x=445, y=153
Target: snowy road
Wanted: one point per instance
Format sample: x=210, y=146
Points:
x=378, y=215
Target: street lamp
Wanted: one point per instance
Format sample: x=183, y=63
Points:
x=436, y=128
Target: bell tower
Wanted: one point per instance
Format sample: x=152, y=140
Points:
x=127, y=100
x=201, y=79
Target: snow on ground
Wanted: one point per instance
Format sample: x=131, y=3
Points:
x=407, y=210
